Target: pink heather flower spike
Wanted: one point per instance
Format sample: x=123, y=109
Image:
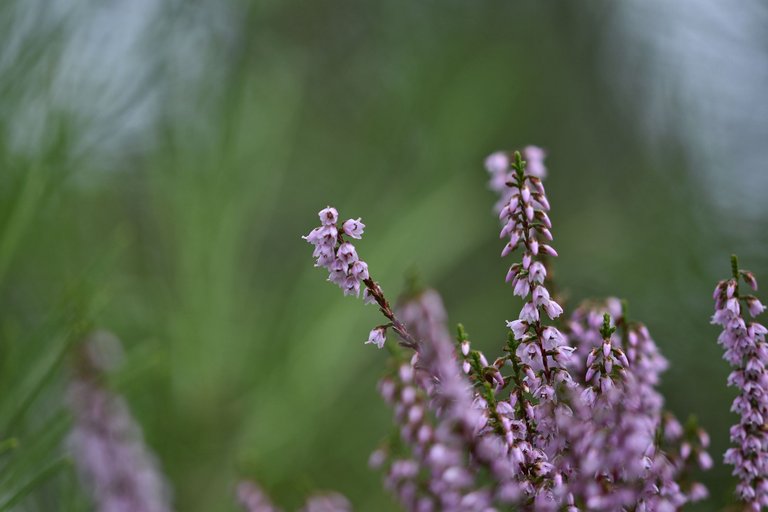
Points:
x=537, y=350
x=747, y=352
x=114, y=464
x=346, y=270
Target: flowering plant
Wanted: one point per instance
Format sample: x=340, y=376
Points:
x=569, y=417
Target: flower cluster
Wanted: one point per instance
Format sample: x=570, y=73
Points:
x=106, y=443
x=336, y=255
x=747, y=352
x=569, y=418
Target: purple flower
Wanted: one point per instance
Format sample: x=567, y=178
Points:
x=359, y=271
x=518, y=328
x=328, y=216
x=754, y=305
x=377, y=336
x=347, y=253
x=339, y=257
x=353, y=228
x=553, y=309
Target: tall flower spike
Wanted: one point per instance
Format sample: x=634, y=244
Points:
x=527, y=224
x=542, y=349
x=747, y=352
x=111, y=458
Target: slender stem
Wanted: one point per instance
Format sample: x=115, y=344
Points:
x=406, y=339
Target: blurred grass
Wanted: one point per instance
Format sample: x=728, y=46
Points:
x=184, y=239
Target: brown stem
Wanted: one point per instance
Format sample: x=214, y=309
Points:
x=406, y=339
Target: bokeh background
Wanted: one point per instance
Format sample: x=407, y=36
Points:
x=159, y=161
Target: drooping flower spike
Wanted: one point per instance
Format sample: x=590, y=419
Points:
x=345, y=269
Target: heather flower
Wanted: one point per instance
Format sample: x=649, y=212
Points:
x=328, y=216
x=115, y=466
x=747, y=352
x=583, y=328
x=538, y=353
x=345, y=269
x=525, y=221
x=339, y=257
x=608, y=440
x=353, y=228
x=377, y=336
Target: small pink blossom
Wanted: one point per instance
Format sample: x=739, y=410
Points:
x=329, y=216
x=353, y=228
x=377, y=336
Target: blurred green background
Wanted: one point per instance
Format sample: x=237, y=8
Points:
x=159, y=161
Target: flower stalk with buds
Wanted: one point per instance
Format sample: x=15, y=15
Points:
x=747, y=352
